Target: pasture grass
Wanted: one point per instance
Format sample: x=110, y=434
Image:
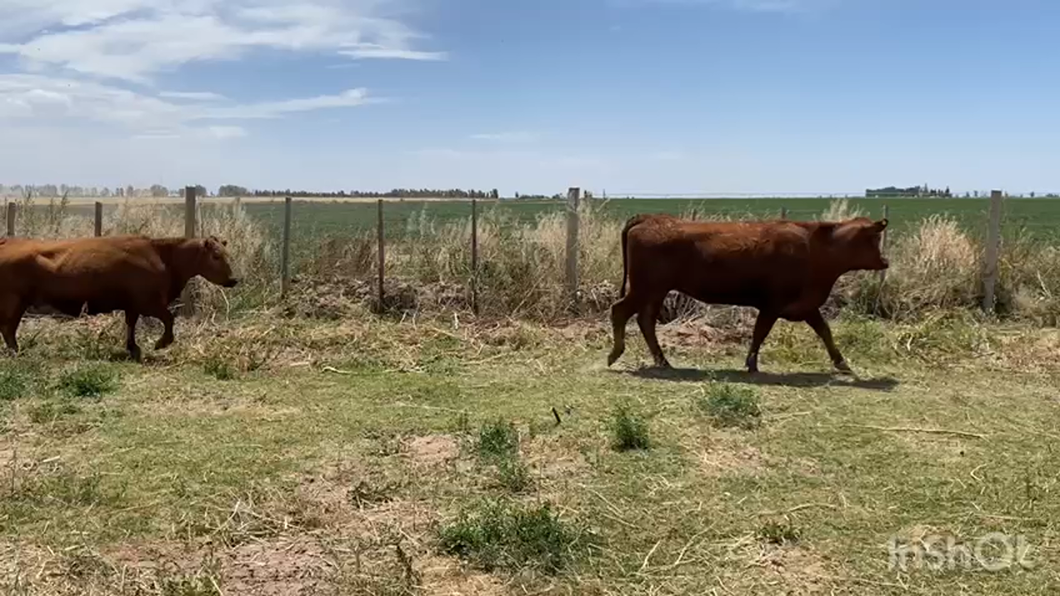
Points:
x=378, y=457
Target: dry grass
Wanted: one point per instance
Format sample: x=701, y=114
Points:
x=521, y=274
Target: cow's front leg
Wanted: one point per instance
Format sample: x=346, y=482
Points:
x=131, y=318
x=167, y=333
x=763, y=325
x=821, y=328
x=11, y=311
x=649, y=311
x=620, y=314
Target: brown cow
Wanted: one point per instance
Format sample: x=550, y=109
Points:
x=785, y=269
x=136, y=274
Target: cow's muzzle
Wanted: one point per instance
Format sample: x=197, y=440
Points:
x=231, y=283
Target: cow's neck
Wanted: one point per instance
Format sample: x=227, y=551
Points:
x=179, y=255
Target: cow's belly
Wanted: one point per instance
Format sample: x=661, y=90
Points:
x=758, y=292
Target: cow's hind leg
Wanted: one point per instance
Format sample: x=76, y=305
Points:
x=621, y=312
x=763, y=325
x=649, y=311
x=131, y=318
x=821, y=328
x=11, y=311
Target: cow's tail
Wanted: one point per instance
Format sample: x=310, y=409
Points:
x=625, y=233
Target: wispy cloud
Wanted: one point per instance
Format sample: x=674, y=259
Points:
x=137, y=39
x=28, y=97
x=192, y=95
x=507, y=137
x=97, y=60
x=781, y=6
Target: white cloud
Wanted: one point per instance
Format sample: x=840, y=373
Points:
x=137, y=39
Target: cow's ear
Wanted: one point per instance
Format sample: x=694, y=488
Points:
x=882, y=224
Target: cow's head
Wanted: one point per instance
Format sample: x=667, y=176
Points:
x=213, y=262
x=857, y=243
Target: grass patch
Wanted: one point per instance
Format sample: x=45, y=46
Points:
x=629, y=429
x=509, y=536
x=731, y=405
x=88, y=381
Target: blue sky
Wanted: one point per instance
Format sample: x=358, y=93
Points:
x=627, y=96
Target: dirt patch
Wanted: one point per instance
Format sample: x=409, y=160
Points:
x=445, y=577
x=727, y=455
x=432, y=450
x=798, y=569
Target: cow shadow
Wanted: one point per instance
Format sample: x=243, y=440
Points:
x=799, y=379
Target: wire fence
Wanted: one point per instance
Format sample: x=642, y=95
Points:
x=301, y=226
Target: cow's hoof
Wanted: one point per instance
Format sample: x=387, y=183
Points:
x=842, y=366
x=163, y=344
x=613, y=357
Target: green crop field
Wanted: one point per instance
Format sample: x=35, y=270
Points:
x=1040, y=216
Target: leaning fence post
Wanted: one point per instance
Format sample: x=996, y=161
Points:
x=993, y=245
x=573, y=194
x=474, y=256
x=382, y=255
x=12, y=208
x=783, y=213
x=98, y=226
x=285, y=255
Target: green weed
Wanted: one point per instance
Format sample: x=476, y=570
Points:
x=732, y=406
x=630, y=430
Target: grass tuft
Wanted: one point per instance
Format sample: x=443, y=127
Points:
x=88, y=380
x=731, y=405
x=509, y=536
x=498, y=440
x=630, y=430
x=780, y=533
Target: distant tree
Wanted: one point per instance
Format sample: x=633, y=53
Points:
x=158, y=191
x=231, y=190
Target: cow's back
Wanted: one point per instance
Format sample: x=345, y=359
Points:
x=742, y=263
x=103, y=272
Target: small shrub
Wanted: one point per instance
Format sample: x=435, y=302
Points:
x=509, y=536
x=630, y=430
x=732, y=406
x=513, y=475
x=88, y=381
x=779, y=533
x=498, y=439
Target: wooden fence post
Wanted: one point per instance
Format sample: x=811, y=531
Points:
x=883, y=243
x=285, y=255
x=382, y=255
x=783, y=213
x=187, y=297
x=993, y=246
x=189, y=212
x=98, y=227
x=12, y=209
x=474, y=257
x=573, y=194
